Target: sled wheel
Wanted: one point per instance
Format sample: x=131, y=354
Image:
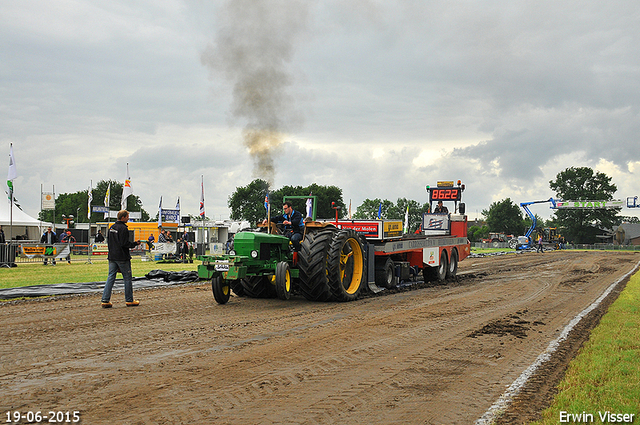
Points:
x=441, y=273
x=385, y=275
x=283, y=280
x=452, y=270
x=221, y=290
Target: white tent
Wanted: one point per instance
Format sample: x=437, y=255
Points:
x=23, y=223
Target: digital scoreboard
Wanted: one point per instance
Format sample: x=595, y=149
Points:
x=445, y=194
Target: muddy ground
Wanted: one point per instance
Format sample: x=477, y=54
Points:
x=435, y=355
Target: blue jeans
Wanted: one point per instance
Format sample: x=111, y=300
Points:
x=123, y=267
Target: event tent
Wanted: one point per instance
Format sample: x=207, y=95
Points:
x=22, y=222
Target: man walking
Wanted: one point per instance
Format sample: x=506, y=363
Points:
x=120, y=260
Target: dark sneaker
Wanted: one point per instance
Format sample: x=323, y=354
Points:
x=133, y=303
x=106, y=305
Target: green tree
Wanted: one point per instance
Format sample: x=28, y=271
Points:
x=477, y=233
x=325, y=195
x=247, y=202
x=76, y=204
x=368, y=210
x=416, y=210
x=581, y=184
x=504, y=217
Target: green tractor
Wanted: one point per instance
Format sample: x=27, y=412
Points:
x=330, y=265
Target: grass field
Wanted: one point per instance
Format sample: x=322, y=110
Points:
x=605, y=376
x=26, y=274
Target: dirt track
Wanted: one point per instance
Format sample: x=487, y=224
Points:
x=436, y=355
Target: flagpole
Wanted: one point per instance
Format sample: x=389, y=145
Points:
x=90, y=198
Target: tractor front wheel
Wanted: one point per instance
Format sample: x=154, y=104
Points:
x=221, y=290
x=283, y=280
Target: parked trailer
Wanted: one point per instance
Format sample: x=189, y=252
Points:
x=340, y=259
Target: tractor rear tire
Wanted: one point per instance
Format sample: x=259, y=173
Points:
x=221, y=289
x=312, y=261
x=237, y=288
x=345, y=266
x=258, y=287
x=283, y=280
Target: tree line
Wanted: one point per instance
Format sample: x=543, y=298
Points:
x=76, y=204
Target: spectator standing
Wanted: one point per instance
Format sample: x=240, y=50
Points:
x=3, y=248
x=49, y=237
x=162, y=238
x=539, y=247
x=99, y=237
x=120, y=260
x=65, y=237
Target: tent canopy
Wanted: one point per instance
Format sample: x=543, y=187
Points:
x=22, y=222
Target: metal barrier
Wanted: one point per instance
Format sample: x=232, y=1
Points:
x=7, y=254
x=12, y=253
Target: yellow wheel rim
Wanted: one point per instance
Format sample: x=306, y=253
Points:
x=354, y=258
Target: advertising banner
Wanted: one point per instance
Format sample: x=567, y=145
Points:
x=171, y=215
x=48, y=201
x=58, y=250
x=99, y=249
x=435, y=224
x=371, y=229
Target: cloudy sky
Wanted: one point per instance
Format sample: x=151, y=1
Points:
x=380, y=98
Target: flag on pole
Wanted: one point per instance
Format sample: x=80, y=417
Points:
x=126, y=189
x=160, y=213
x=13, y=173
x=89, y=202
x=309, y=207
x=266, y=202
x=380, y=211
x=349, y=209
x=202, y=200
x=107, y=199
x=406, y=220
x=178, y=208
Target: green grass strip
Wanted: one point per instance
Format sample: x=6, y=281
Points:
x=605, y=376
x=27, y=274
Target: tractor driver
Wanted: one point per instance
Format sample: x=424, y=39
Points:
x=441, y=209
x=293, y=224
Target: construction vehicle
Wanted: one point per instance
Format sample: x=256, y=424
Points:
x=551, y=235
x=496, y=238
x=341, y=259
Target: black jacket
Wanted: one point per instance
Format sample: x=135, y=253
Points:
x=296, y=221
x=118, y=241
x=54, y=238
